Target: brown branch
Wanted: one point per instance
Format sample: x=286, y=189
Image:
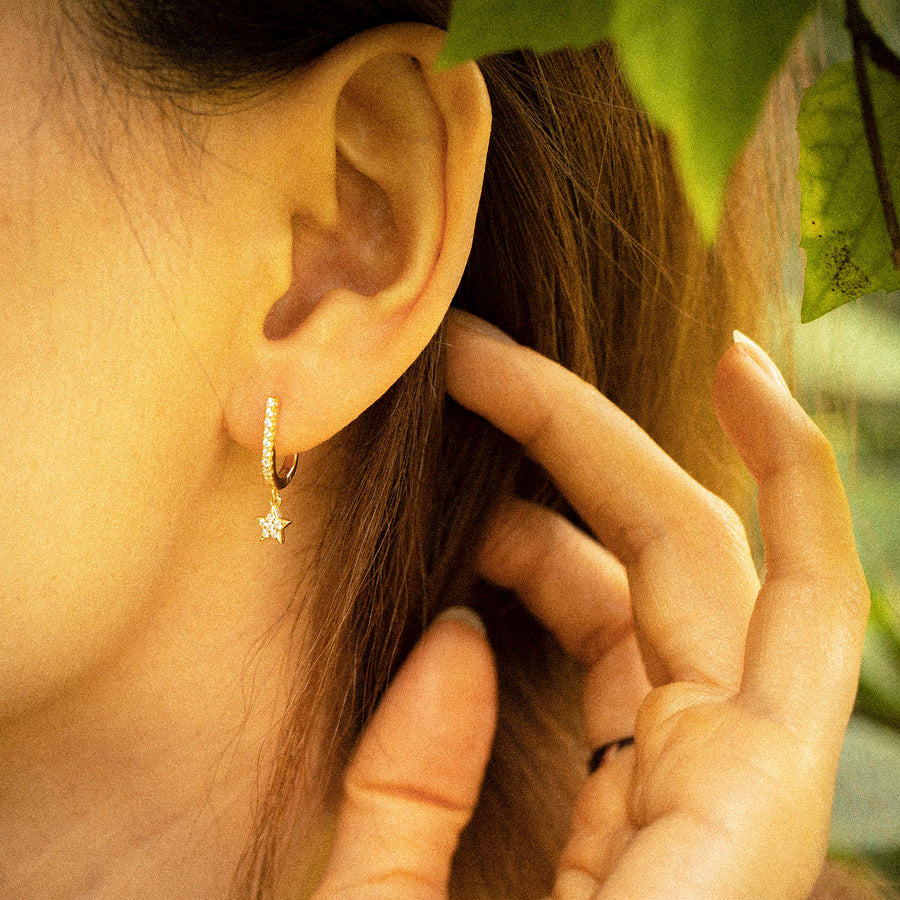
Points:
x=860, y=34
x=878, y=50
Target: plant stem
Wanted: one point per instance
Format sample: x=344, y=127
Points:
x=861, y=33
x=878, y=50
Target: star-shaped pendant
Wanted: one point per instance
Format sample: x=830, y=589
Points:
x=273, y=525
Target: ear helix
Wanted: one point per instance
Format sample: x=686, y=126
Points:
x=272, y=525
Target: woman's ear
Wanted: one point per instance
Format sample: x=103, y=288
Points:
x=371, y=165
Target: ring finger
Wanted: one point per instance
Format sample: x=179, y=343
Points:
x=580, y=592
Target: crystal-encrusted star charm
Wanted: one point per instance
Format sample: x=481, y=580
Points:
x=273, y=525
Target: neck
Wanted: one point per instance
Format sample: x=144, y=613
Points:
x=142, y=778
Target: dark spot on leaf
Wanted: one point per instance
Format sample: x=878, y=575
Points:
x=847, y=278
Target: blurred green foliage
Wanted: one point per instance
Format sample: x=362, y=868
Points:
x=699, y=68
x=848, y=375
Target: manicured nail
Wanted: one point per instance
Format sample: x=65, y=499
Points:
x=474, y=323
x=464, y=615
x=761, y=358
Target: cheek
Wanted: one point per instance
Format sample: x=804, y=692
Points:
x=103, y=422
x=108, y=403
x=96, y=448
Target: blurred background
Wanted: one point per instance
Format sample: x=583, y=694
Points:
x=846, y=369
x=847, y=374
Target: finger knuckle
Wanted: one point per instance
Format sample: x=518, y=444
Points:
x=557, y=537
x=701, y=518
x=522, y=546
x=854, y=596
x=814, y=448
x=721, y=516
x=841, y=593
x=541, y=421
x=631, y=541
x=707, y=521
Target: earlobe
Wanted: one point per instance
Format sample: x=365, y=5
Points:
x=371, y=283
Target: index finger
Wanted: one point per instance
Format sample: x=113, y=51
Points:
x=624, y=486
x=691, y=575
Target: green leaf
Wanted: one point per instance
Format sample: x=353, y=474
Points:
x=482, y=27
x=848, y=252
x=701, y=69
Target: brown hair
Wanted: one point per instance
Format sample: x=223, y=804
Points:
x=584, y=249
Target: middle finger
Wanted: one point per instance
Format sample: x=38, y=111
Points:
x=579, y=591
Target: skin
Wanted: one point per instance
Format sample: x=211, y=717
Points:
x=164, y=272
x=727, y=789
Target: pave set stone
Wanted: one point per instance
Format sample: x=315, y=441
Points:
x=268, y=454
x=272, y=525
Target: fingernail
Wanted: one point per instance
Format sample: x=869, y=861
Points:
x=761, y=358
x=465, y=616
x=474, y=323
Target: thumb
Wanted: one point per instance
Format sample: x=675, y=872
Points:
x=414, y=780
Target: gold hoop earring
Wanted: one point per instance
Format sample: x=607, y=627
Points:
x=272, y=525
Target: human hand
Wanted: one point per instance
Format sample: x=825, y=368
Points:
x=727, y=789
